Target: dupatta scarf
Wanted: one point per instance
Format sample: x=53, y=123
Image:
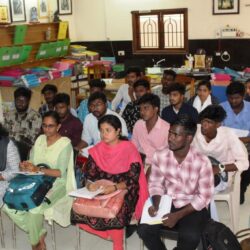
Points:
x=117, y=159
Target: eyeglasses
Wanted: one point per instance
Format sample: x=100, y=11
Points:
x=49, y=126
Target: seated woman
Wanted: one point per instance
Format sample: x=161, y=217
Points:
x=9, y=163
x=55, y=151
x=117, y=160
x=203, y=96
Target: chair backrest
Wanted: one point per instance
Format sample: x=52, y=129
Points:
x=97, y=70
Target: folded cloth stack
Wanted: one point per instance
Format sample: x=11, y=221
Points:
x=30, y=80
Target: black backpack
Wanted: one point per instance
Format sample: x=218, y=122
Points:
x=217, y=236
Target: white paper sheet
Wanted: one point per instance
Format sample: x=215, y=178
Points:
x=29, y=173
x=240, y=132
x=164, y=208
x=85, y=193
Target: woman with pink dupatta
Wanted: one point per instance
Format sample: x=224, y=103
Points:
x=117, y=160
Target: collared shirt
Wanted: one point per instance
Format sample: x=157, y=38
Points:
x=164, y=99
x=148, y=142
x=91, y=133
x=83, y=110
x=122, y=98
x=240, y=120
x=190, y=182
x=225, y=147
x=23, y=127
x=131, y=115
x=71, y=127
x=169, y=115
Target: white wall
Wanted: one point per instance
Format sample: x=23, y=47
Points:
x=99, y=20
x=52, y=7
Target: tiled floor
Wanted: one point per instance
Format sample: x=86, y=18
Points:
x=66, y=237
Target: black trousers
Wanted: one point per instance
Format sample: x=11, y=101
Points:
x=245, y=179
x=189, y=231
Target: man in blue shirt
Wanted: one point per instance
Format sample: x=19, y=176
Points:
x=178, y=107
x=238, y=113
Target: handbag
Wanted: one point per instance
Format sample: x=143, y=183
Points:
x=245, y=244
x=102, y=206
x=28, y=191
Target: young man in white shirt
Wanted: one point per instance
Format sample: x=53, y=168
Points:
x=97, y=104
x=125, y=93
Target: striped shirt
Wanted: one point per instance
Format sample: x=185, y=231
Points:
x=190, y=182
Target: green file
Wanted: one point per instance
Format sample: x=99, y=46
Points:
x=66, y=44
x=26, y=49
x=42, y=52
x=5, y=56
x=15, y=55
x=20, y=32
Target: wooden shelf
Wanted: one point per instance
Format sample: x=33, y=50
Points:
x=35, y=35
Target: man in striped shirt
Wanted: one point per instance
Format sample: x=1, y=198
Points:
x=186, y=175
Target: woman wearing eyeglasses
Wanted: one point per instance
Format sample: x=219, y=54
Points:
x=55, y=151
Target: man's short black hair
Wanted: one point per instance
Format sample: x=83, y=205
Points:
x=95, y=96
x=176, y=86
x=97, y=83
x=150, y=98
x=143, y=83
x=236, y=88
x=62, y=98
x=169, y=72
x=187, y=122
x=135, y=70
x=23, y=91
x=49, y=87
x=213, y=112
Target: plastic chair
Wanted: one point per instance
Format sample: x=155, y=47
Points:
x=232, y=196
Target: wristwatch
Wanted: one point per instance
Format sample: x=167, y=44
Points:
x=221, y=167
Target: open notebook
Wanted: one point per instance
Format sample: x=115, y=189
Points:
x=164, y=208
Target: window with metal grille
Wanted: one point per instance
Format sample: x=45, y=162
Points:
x=160, y=31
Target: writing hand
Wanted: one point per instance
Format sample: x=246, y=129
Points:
x=152, y=211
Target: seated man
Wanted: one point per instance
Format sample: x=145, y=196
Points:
x=125, y=93
x=186, y=175
x=23, y=123
x=178, y=106
x=49, y=91
x=97, y=103
x=219, y=142
x=131, y=113
x=237, y=118
x=151, y=132
x=95, y=85
x=167, y=78
x=71, y=126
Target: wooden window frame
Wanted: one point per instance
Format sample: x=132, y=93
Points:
x=161, y=50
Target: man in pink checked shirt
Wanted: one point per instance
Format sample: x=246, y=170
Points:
x=186, y=175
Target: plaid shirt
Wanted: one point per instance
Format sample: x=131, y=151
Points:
x=164, y=99
x=190, y=182
x=23, y=127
